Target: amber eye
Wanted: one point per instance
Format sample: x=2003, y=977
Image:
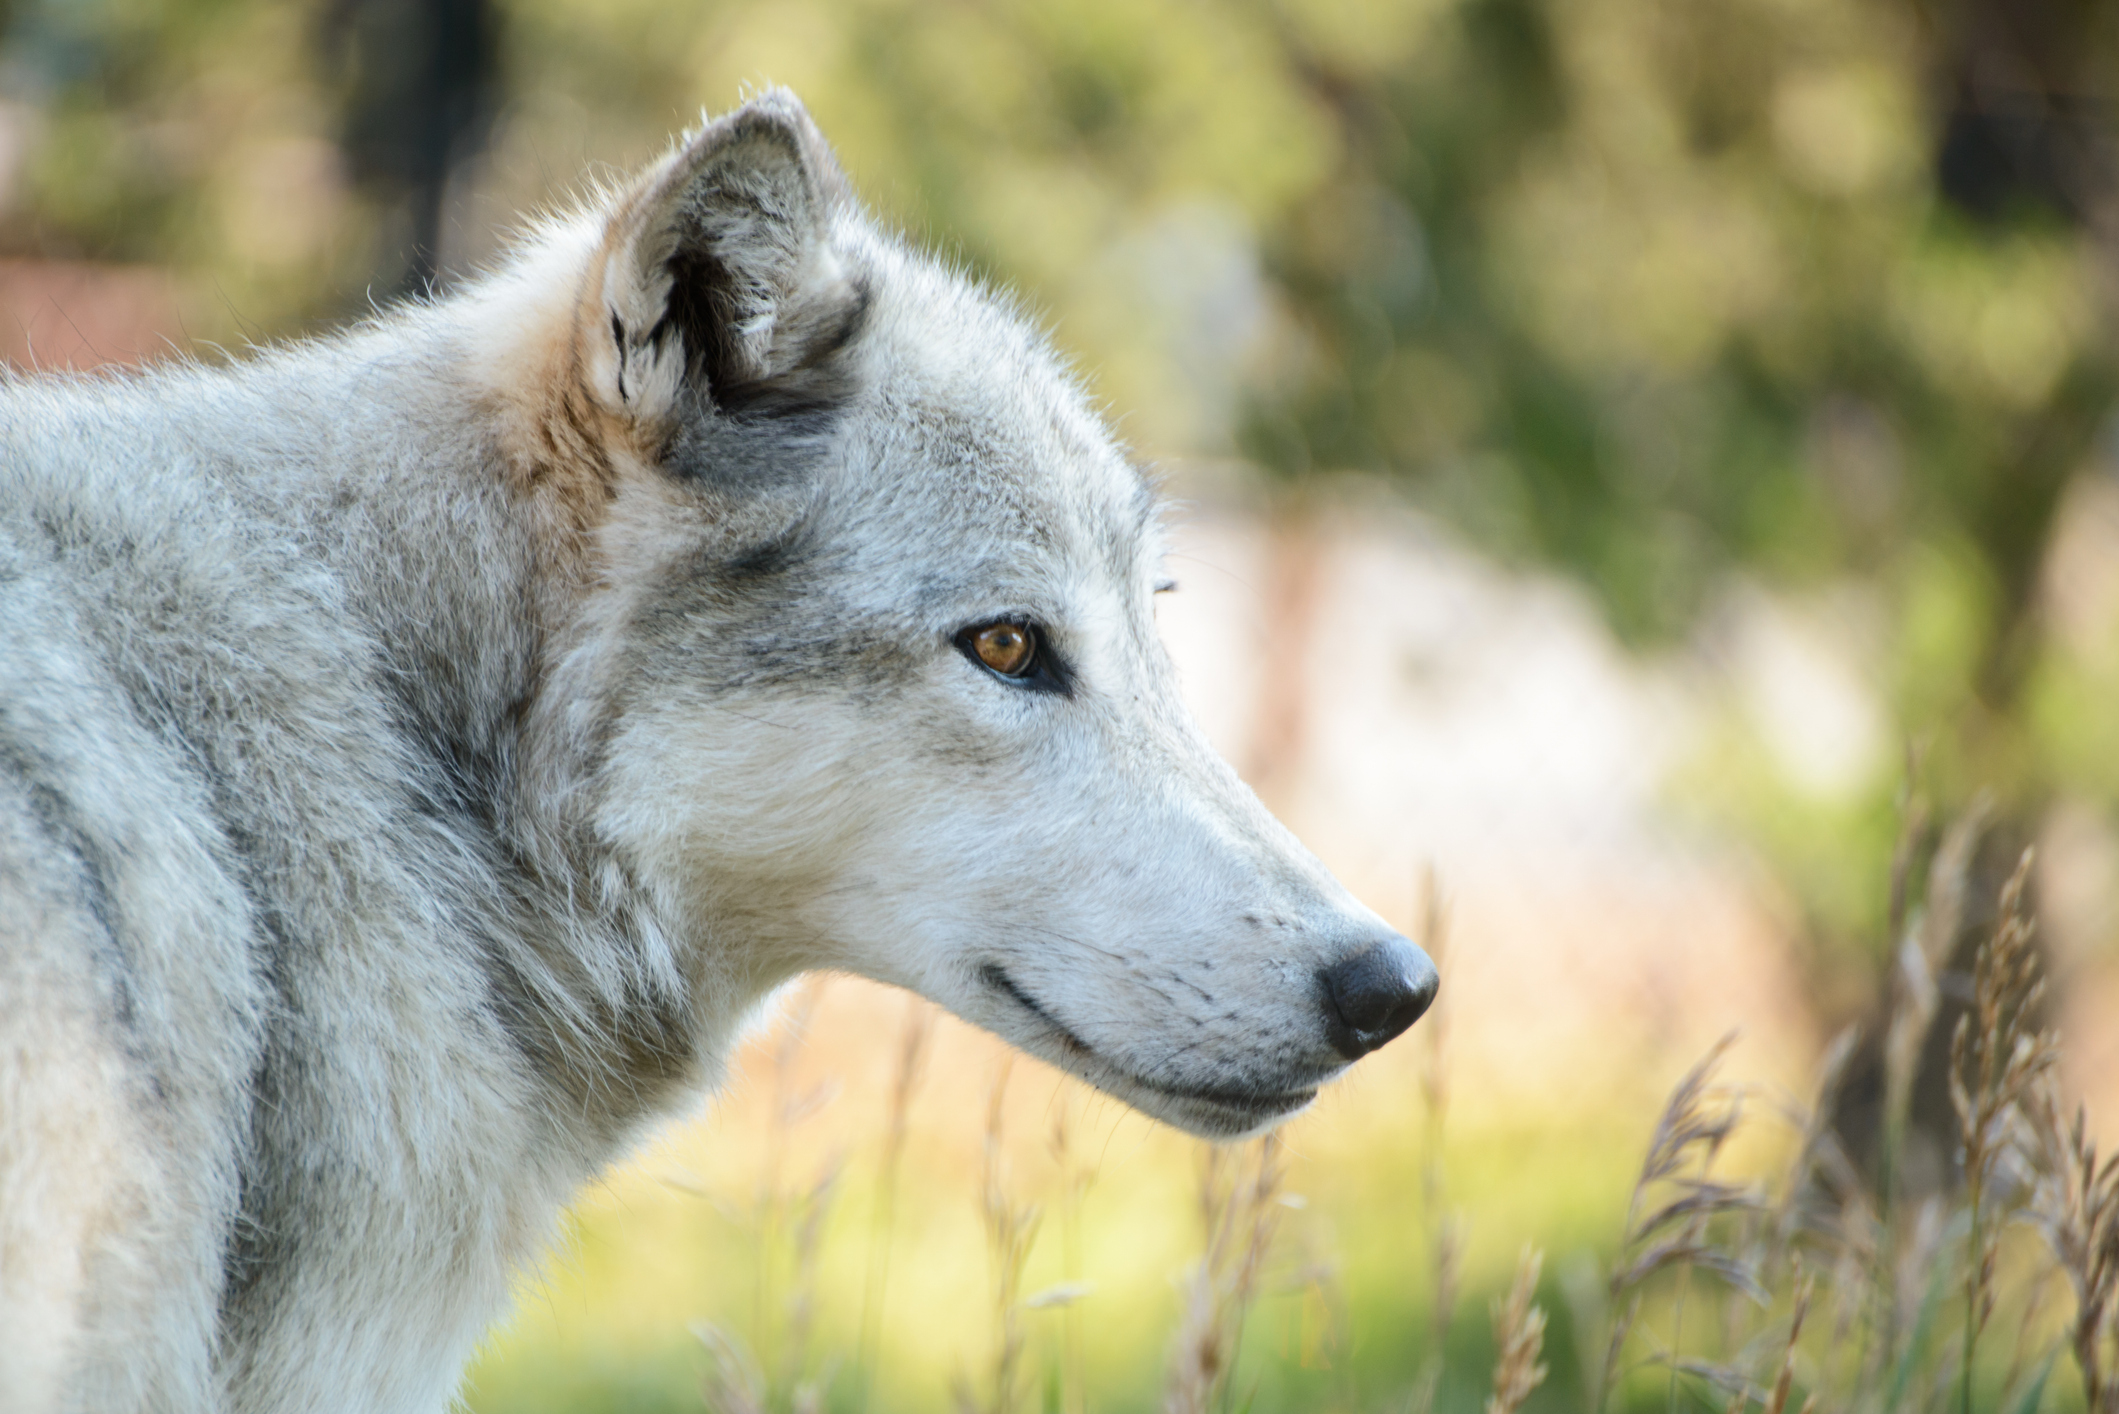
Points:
x=1008, y=649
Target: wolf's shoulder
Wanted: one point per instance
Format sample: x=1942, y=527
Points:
x=161, y=532
x=113, y=496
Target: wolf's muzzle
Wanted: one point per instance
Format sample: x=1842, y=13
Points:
x=1374, y=995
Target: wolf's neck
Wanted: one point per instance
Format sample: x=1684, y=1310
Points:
x=474, y=577
x=390, y=478
x=467, y=581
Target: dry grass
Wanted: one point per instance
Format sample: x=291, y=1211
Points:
x=2076, y=1205
x=1519, y=1335
x=776, y=1371
x=1808, y=1288
x=1996, y=1059
x=1914, y=1287
x=1011, y=1228
x=1076, y=1173
x=1445, y=1228
x=1670, y=1217
x=1239, y=1212
x=913, y=1044
x=1924, y=944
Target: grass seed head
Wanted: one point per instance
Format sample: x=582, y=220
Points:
x=1519, y=1336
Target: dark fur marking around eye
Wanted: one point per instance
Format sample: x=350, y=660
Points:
x=618, y=338
x=1048, y=670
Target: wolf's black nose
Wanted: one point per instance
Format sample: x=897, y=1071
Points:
x=1375, y=994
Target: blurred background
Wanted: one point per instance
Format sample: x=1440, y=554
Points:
x=1635, y=462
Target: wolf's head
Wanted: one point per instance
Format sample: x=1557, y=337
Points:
x=865, y=670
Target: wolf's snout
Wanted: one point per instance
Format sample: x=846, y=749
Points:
x=1374, y=995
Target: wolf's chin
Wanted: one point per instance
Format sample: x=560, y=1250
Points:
x=1210, y=1116
x=1209, y=1112
x=1214, y=1119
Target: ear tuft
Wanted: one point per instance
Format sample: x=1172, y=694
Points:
x=720, y=275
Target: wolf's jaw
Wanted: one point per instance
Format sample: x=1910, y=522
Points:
x=1207, y=1111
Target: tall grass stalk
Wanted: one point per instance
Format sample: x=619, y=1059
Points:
x=913, y=1041
x=1673, y=1204
x=1011, y=1228
x=772, y=1375
x=1240, y=1212
x=771, y=1205
x=1923, y=945
x=1784, y=1382
x=1828, y=1209
x=1445, y=1228
x=2075, y=1203
x=1074, y=1175
x=1923, y=939
x=1997, y=1056
x=733, y=1384
x=1519, y=1339
x=805, y=1391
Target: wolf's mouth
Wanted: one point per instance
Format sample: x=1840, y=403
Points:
x=1230, y=1109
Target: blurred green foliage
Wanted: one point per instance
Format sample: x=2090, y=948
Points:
x=1663, y=294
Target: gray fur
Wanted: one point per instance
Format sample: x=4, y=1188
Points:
x=422, y=750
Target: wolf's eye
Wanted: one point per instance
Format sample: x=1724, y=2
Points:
x=1008, y=649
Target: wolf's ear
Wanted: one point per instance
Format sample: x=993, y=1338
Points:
x=718, y=273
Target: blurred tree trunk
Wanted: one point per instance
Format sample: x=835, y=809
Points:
x=2026, y=124
x=420, y=82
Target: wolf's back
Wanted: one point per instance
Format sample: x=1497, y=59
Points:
x=130, y=1011
x=233, y=908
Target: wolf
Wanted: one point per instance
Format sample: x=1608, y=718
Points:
x=424, y=750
